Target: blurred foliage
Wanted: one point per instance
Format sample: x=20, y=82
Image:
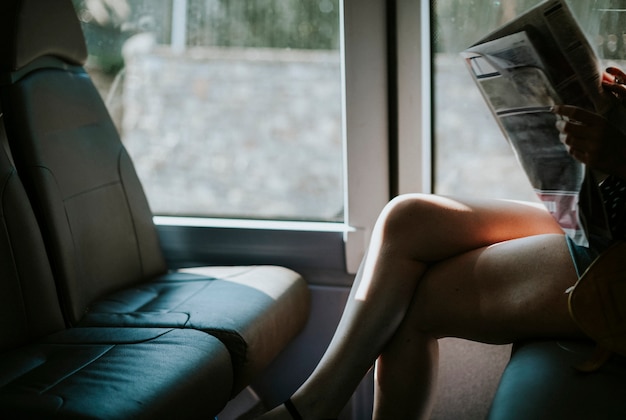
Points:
x=296, y=24
x=604, y=22
x=314, y=24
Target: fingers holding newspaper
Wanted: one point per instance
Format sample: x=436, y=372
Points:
x=592, y=139
x=614, y=81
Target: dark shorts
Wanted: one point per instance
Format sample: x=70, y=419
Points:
x=583, y=256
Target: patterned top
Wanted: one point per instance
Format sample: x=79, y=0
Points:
x=614, y=195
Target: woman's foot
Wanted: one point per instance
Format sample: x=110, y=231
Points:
x=295, y=415
x=285, y=411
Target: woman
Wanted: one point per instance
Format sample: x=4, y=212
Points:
x=488, y=270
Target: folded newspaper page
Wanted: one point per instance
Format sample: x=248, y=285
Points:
x=540, y=59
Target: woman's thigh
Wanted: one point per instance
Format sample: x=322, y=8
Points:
x=499, y=293
x=431, y=228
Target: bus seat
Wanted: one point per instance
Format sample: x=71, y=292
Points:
x=95, y=218
x=540, y=382
x=48, y=371
x=29, y=307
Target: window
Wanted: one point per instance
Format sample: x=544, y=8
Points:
x=472, y=156
x=229, y=108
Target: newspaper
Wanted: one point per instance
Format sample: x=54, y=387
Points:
x=540, y=59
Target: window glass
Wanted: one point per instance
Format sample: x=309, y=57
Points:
x=472, y=156
x=229, y=108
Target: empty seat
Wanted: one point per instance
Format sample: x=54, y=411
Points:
x=29, y=307
x=95, y=218
x=119, y=373
x=48, y=371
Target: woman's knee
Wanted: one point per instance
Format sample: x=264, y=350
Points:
x=411, y=220
x=404, y=211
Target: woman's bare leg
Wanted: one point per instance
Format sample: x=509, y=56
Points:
x=406, y=376
x=498, y=294
x=413, y=233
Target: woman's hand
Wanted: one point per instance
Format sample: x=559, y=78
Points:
x=614, y=81
x=591, y=138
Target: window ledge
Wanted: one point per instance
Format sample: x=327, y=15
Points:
x=212, y=222
x=190, y=241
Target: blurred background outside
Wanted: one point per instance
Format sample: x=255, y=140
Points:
x=233, y=107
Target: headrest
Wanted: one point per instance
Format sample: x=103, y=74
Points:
x=30, y=29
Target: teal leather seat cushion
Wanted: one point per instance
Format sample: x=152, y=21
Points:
x=540, y=382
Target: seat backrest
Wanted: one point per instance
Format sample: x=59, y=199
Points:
x=29, y=306
x=91, y=207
